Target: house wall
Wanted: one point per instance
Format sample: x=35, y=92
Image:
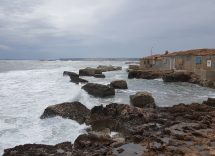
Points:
x=183, y=62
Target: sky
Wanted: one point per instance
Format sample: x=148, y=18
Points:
x=47, y=29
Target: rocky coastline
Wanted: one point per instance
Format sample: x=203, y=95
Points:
x=140, y=127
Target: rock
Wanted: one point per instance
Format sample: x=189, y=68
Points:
x=78, y=80
x=91, y=145
x=71, y=74
x=99, y=76
x=182, y=129
x=99, y=90
x=210, y=102
x=72, y=110
x=74, y=77
x=89, y=71
x=108, y=68
x=119, y=84
x=40, y=150
x=177, y=77
x=142, y=100
x=149, y=74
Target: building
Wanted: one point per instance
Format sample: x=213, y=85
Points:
x=199, y=61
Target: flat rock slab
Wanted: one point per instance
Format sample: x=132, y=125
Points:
x=72, y=110
x=99, y=90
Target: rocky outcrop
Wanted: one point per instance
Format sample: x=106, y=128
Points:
x=178, y=130
x=177, y=77
x=89, y=71
x=74, y=77
x=72, y=110
x=119, y=84
x=99, y=76
x=142, y=100
x=210, y=102
x=108, y=68
x=146, y=74
x=99, y=90
x=187, y=77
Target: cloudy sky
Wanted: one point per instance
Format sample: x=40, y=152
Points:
x=32, y=29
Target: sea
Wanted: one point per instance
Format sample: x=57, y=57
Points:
x=27, y=87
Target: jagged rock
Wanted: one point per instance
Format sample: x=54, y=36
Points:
x=177, y=77
x=108, y=68
x=89, y=71
x=99, y=76
x=119, y=84
x=99, y=90
x=210, y=102
x=74, y=77
x=72, y=110
x=142, y=100
x=71, y=74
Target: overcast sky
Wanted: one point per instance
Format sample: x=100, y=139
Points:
x=32, y=29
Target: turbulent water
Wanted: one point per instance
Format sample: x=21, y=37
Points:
x=28, y=87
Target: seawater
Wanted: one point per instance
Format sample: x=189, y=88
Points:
x=28, y=87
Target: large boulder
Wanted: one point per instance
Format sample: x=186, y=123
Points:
x=177, y=77
x=99, y=90
x=72, y=110
x=119, y=84
x=89, y=71
x=108, y=68
x=142, y=100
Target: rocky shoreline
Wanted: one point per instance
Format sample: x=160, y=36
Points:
x=141, y=127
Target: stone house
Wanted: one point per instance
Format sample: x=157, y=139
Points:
x=199, y=61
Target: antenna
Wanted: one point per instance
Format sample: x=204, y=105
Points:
x=151, y=50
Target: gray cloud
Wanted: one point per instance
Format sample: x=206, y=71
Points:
x=107, y=28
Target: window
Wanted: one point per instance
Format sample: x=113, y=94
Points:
x=198, y=59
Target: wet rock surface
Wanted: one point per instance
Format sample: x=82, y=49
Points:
x=142, y=100
x=72, y=110
x=119, y=84
x=99, y=90
x=178, y=130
